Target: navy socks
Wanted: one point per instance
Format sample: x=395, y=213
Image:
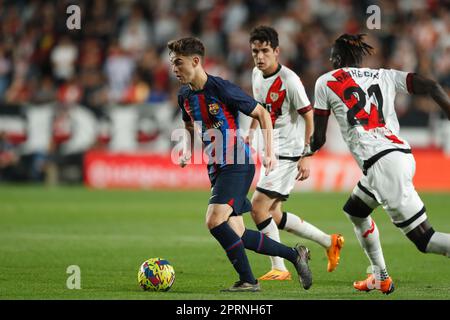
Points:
x=260, y=243
x=234, y=247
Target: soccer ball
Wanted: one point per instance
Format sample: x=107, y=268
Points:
x=156, y=274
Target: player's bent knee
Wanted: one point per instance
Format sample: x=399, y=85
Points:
x=212, y=223
x=356, y=207
x=262, y=219
x=277, y=219
x=213, y=220
x=421, y=236
x=260, y=211
x=276, y=216
x=259, y=215
x=217, y=214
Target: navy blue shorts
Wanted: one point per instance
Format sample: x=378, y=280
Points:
x=230, y=185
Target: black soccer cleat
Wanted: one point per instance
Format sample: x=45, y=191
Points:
x=242, y=286
x=302, y=267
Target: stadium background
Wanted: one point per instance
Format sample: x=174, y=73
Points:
x=108, y=88
x=96, y=107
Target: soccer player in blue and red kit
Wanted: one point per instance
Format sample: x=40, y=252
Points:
x=214, y=104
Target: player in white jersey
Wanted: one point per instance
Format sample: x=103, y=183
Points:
x=363, y=102
x=282, y=93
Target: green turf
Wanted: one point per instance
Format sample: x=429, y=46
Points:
x=109, y=233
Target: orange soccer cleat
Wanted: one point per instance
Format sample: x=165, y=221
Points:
x=385, y=286
x=334, y=251
x=275, y=274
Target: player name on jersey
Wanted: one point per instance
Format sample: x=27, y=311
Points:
x=359, y=74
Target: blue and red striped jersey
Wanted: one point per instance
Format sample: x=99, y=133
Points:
x=217, y=106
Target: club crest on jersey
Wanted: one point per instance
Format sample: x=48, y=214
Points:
x=213, y=108
x=274, y=96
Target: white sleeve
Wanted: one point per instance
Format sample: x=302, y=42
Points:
x=320, y=95
x=297, y=94
x=401, y=80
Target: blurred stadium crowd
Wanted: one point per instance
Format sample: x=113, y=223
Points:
x=109, y=86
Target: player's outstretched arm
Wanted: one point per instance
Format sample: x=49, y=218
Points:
x=263, y=117
x=422, y=85
x=320, y=131
x=251, y=131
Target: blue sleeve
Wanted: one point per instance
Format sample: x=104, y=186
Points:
x=236, y=98
x=184, y=114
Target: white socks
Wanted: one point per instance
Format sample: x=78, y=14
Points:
x=271, y=230
x=440, y=244
x=306, y=230
x=368, y=236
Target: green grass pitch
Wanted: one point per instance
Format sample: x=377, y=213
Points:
x=108, y=234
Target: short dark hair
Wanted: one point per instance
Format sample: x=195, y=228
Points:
x=187, y=46
x=265, y=34
x=352, y=48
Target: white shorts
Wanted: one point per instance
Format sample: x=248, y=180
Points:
x=280, y=181
x=389, y=182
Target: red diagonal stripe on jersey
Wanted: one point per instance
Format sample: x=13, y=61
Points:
x=344, y=81
x=394, y=138
x=373, y=118
x=187, y=108
x=371, y=230
x=229, y=117
x=275, y=91
x=204, y=111
x=231, y=135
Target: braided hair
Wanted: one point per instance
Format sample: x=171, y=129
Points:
x=351, y=48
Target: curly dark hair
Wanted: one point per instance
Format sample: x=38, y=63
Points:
x=264, y=34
